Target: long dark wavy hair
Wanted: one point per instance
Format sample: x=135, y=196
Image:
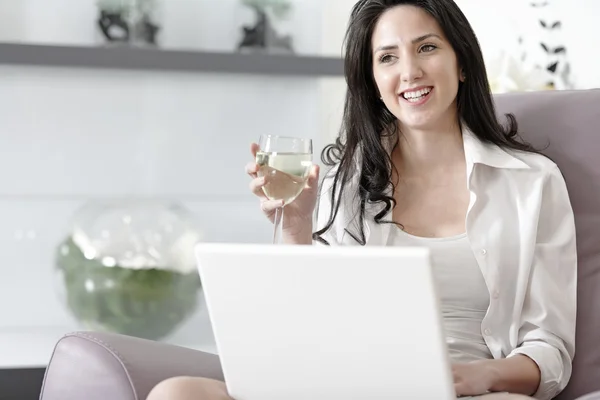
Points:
x=366, y=119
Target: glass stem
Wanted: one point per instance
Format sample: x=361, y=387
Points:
x=278, y=225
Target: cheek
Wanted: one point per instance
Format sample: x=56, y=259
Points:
x=449, y=76
x=385, y=81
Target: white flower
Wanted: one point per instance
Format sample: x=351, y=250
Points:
x=506, y=74
x=135, y=252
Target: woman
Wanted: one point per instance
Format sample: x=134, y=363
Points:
x=423, y=161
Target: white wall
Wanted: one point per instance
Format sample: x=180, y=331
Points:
x=332, y=90
x=73, y=135
x=69, y=135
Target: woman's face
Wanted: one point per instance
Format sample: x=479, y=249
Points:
x=415, y=68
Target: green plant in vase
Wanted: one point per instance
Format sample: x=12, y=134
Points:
x=129, y=279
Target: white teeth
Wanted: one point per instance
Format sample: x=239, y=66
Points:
x=416, y=94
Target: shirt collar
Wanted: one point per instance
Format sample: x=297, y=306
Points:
x=478, y=152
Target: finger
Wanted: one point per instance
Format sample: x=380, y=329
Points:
x=269, y=206
x=313, y=177
x=256, y=186
x=252, y=169
x=254, y=148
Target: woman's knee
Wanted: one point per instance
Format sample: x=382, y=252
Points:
x=189, y=388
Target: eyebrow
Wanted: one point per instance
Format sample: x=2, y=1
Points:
x=414, y=41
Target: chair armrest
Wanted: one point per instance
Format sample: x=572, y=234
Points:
x=100, y=366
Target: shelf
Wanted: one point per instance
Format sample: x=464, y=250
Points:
x=168, y=60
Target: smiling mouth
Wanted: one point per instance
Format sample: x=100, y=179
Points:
x=416, y=96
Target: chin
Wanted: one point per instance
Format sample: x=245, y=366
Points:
x=426, y=120
x=420, y=123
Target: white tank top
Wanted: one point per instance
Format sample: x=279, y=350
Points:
x=463, y=293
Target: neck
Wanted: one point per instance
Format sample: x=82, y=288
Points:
x=423, y=152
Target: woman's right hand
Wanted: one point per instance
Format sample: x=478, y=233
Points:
x=298, y=215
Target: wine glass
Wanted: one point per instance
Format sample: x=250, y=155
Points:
x=286, y=163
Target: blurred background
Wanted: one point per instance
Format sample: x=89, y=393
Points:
x=126, y=125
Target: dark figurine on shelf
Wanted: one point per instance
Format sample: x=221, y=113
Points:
x=262, y=36
x=128, y=21
x=146, y=30
x=113, y=26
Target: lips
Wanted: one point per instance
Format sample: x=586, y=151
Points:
x=416, y=95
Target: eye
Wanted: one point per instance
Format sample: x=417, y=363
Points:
x=385, y=58
x=427, y=48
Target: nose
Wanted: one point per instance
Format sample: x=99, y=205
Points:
x=410, y=69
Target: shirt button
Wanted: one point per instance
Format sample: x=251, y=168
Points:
x=483, y=252
x=496, y=294
x=487, y=332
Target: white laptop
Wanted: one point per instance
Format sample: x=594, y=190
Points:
x=325, y=323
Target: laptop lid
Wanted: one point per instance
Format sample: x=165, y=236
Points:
x=324, y=323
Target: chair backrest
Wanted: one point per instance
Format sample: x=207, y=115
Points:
x=568, y=123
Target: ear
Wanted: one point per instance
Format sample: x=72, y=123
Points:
x=462, y=76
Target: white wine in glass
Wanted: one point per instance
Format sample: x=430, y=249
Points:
x=286, y=164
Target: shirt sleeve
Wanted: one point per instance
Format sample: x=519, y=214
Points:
x=547, y=329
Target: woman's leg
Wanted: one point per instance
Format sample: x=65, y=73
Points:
x=188, y=388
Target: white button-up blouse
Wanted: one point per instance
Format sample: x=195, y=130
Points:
x=520, y=225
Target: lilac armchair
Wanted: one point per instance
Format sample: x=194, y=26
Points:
x=100, y=366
